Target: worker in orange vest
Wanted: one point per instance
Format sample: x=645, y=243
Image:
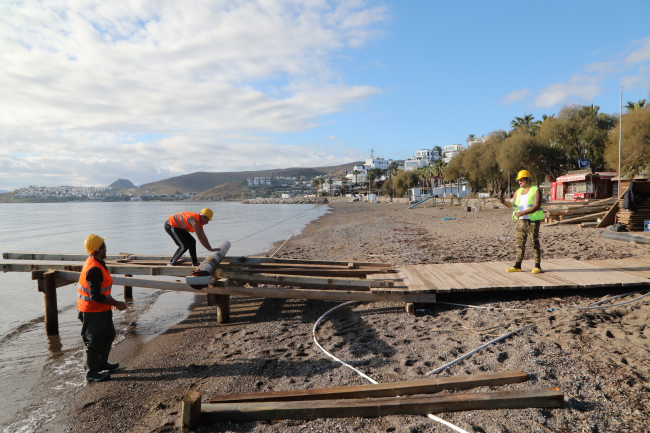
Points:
x=94, y=304
x=180, y=225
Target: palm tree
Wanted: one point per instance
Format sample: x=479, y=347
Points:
x=355, y=173
x=344, y=185
x=545, y=117
x=470, y=137
x=631, y=106
x=330, y=182
x=527, y=122
x=371, y=175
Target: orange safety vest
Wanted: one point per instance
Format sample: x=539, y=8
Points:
x=84, y=303
x=179, y=220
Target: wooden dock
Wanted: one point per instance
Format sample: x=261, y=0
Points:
x=324, y=280
x=491, y=276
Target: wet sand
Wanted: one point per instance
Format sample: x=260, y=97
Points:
x=599, y=358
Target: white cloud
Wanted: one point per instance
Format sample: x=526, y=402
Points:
x=581, y=87
x=641, y=80
x=517, y=95
x=641, y=54
x=332, y=137
x=78, y=79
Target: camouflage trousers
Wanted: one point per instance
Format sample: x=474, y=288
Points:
x=527, y=229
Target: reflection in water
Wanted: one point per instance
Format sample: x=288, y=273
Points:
x=54, y=345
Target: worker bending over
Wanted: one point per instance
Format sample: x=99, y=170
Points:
x=527, y=205
x=180, y=225
x=94, y=304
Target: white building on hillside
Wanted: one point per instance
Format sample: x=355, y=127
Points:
x=479, y=140
x=451, y=151
x=422, y=158
x=379, y=163
x=361, y=175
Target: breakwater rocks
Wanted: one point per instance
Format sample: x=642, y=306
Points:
x=297, y=200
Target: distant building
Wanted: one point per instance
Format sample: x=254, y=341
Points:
x=422, y=158
x=480, y=140
x=451, y=151
x=379, y=163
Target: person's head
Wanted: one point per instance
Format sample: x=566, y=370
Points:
x=206, y=216
x=95, y=246
x=524, y=178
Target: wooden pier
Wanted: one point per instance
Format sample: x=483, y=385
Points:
x=220, y=276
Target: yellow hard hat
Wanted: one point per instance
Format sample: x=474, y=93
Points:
x=207, y=212
x=522, y=174
x=93, y=243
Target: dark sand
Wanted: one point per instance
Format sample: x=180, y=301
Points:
x=599, y=358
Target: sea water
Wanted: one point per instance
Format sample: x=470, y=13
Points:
x=37, y=372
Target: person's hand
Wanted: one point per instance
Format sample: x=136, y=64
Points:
x=502, y=200
x=214, y=250
x=518, y=214
x=121, y=306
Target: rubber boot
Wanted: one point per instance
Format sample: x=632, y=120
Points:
x=104, y=364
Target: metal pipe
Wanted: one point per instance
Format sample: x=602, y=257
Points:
x=625, y=237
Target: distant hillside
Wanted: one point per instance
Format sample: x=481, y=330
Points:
x=203, y=181
x=226, y=191
x=2, y=191
x=122, y=183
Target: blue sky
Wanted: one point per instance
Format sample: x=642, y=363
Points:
x=148, y=90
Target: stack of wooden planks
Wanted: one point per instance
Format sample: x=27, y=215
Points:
x=633, y=222
x=400, y=398
x=577, y=213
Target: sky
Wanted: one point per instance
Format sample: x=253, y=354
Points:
x=92, y=91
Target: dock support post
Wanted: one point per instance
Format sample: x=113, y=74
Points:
x=223, y=308
x=128, y=290
x=49, y=300
x=190, y=411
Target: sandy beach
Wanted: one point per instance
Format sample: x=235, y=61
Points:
x=598, y=358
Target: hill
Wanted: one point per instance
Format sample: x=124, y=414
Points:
x=226, y=191
x=122, y=183
x=203, y=181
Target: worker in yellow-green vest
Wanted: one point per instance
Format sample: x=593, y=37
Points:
x=527, y=206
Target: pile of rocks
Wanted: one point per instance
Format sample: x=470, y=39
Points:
x=313, y=200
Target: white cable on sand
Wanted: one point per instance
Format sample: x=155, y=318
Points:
x=483, y=308
x=371, y=380
x=610, y=306
x=614, y=297
x=449, y=364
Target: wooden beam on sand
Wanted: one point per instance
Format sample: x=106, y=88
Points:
x=376, y=407
x=395, y=389
x=298, y=261
x=190, y=411
x=309, y=282
x=351, y=273
x=590, y=217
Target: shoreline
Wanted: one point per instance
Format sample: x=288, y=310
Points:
x=268, y=345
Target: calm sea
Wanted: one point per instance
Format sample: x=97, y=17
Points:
x=35, y=373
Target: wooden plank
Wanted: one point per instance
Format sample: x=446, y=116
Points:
x=408, y=387
x=596, y=276
x=610, y=216
x=577, y=219
x=81, y=257
x=315, y=282
x=419, y=282
x=635, y=267
x=190, y=411
x=341, y=273
x=174, y=271
x=376, y=407
x=135, y=282
x=526, y=280
x=334, y=295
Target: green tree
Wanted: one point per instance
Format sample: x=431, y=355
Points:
x=403, y=181
x=356, y=173
x=631, y=106
x=344, y=185
x=470, y=137
x=371, y=175
x=330, y=182
x=635, y=143
x=579, y=132
x=527, y=123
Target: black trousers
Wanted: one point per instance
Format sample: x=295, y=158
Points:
x=184, y=240
x=98, y=333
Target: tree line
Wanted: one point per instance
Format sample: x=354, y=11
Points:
x=552, y=146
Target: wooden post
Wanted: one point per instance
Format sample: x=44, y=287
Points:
x=212, y=299
x=49, y=299
x=190, y=411
x=223, y=308
x=128, y=290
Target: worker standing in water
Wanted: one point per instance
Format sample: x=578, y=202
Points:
x=180, y=225
x=527, y=206
x=94, y=304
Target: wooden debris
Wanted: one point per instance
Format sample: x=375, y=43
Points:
x=375, y=407
x=190, y=411
x=409, y=387
x=567, y=212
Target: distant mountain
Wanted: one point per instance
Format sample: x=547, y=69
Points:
x=2, y=191
x=225, y=191
x=203, y=181
x=122, y=183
